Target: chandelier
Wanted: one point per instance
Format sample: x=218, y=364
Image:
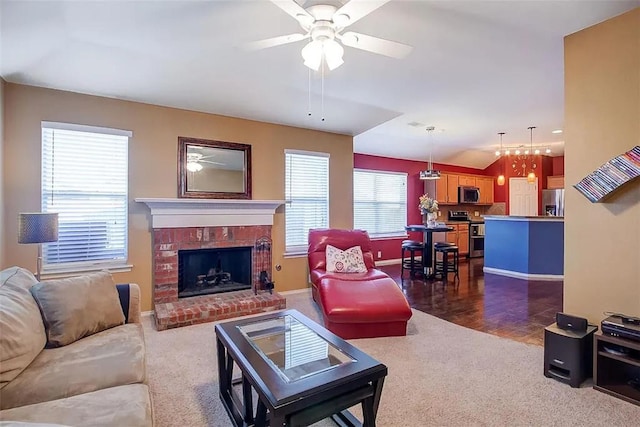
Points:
x=522, y=149
x=430, y=173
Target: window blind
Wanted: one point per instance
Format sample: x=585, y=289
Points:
x=380, y=202
x=306, y=197
x=85, y=180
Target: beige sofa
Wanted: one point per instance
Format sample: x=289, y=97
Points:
x=96, y=380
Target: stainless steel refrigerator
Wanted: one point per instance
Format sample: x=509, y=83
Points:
x=553, y=202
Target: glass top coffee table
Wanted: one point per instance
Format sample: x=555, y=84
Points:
x=301, y=373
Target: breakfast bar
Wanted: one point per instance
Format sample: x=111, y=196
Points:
x=427, y=239
x=527, y=247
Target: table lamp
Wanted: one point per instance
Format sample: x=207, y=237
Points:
x=38, y=228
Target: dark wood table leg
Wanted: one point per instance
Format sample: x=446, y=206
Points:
x=247, y=398
x=225, y=380
x=427, y=254
x=370, y=404
x=261, y=415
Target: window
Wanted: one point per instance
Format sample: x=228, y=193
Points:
x=380, y=202
x=85, y=180
x=306, y=197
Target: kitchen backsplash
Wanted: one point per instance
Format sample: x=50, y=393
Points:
x=472, y=209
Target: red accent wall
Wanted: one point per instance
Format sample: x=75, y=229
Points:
x=494, y=170
x=390, y=248
x=558, y=165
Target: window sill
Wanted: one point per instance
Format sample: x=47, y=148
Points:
x=75, y=271
x=295, y=254
x=404, y=236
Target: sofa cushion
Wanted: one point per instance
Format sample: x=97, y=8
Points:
x=107, y=359
x=22, y=335
x=317, y=275
x=347, y=261
x=371, y=301
x=127, y=405
x=79, y=306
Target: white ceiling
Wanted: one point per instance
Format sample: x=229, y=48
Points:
x=478, y=67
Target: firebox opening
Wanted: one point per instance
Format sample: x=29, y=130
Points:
x=210, y=271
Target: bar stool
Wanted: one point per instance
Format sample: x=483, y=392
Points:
x=446, y=264
x=411, y=264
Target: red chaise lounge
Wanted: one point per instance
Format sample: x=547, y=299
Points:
x=355, y=305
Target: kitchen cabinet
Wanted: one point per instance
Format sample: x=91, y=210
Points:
x=459, y=237
x=467, y=181
x=463, y=240
x=452, y=189
x=555, y=182
x=486, y=190
x=445, y=189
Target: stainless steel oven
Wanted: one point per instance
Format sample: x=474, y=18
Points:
x=476, y=240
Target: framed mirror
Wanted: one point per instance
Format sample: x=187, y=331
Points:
x=213, y=169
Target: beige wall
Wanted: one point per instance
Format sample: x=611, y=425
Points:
x=2, y=83
x=602, y=120
x=153, y=167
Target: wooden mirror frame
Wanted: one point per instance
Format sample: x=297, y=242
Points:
x=184, y=192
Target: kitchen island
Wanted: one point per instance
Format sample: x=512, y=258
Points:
x=526, y=247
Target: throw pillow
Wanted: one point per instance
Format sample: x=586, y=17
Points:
x=22, y=335
x=348, y=261
x=79, y=306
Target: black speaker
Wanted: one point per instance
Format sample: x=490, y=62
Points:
x=571, y=323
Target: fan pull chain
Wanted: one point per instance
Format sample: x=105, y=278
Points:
x=322, y=92
x=309, y=82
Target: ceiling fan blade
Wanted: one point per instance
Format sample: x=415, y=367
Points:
x=294, y=9
x=375, y=45
x=357, y=9
x=274, y=41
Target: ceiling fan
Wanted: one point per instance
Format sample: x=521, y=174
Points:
x=195, y=160
x=324, y=24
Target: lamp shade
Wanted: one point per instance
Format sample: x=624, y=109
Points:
x=37, y=227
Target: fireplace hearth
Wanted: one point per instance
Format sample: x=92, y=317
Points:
x=211, y=271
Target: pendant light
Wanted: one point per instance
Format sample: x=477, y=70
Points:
x=430, y=173
x=501, y=178
x=531, y=177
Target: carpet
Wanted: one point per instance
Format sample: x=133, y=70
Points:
x=440, y=374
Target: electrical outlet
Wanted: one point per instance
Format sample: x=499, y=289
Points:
x=439, y=213
x=477, y=213
x=379, y=254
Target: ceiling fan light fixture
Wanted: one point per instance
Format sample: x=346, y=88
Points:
x=333, y=53
x=312, y=54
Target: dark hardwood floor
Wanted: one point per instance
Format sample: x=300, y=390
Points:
x=511, y=308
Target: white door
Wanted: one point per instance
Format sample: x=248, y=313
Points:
x=523, y=197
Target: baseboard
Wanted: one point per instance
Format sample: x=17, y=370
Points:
x=526, y=276
x=294, y=291
x=392, y=261
x=146, y=313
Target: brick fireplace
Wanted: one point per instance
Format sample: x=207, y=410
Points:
x=191, y=224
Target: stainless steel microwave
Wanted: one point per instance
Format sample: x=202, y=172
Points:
x=468, y=194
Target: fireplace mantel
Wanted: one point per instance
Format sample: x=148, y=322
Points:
x=177, y=213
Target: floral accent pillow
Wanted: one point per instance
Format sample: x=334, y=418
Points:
x=348, y=261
